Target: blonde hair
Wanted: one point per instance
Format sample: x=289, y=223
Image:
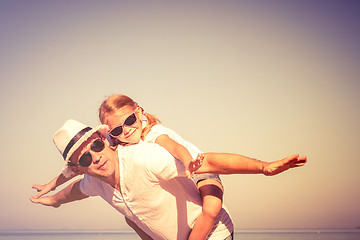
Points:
x=115, y=102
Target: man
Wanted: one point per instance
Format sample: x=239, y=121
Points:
x=151, y=190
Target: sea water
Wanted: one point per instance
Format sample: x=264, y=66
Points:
x=246, y=234
x=67, y=235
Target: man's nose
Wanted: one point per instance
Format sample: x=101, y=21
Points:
x=95, y=157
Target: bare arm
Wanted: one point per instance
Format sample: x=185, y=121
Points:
x=227, y=163
x=69, y=194
x=139, y=232
x=51, y=186
x=176, y=150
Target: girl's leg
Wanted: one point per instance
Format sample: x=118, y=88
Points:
x=211, y=191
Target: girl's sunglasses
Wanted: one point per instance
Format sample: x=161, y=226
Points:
x=86, y=159
x=118, y=130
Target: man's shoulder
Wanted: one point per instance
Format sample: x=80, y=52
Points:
x=90, y=179
x=90, y=185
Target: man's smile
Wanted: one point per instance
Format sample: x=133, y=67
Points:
x=103, y=165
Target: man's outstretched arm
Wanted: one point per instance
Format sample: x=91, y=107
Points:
x=227, y=163
x=69, y=194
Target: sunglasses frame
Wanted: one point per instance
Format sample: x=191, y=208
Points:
x=121, y=125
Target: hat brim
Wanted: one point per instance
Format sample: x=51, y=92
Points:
x=102, y=129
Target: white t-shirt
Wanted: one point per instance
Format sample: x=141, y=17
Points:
x=159, y=129
x=153, y=195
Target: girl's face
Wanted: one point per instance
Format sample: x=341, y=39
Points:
x=130, y=134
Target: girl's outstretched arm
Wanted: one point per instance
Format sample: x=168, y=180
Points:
x=228, y=163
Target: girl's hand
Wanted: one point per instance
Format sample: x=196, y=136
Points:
x=273, y=168
x=43, y=189
x=196, y=164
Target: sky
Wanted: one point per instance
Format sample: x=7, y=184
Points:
x=265, y=79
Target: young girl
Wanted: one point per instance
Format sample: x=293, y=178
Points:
x=129, y=124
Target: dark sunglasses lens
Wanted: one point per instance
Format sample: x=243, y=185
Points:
x=97, y=146
x=130, y=120
x=85, y=159
x=116, y=131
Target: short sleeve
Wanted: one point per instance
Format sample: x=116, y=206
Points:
x=90, y=185
x=155, y=132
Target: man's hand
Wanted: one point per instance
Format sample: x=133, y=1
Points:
x=273, y=168
x=69, y=194
x=43, y=189
x=46, y=201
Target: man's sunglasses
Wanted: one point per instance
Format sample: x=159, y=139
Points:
x=118, y=130
x=86, y=159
